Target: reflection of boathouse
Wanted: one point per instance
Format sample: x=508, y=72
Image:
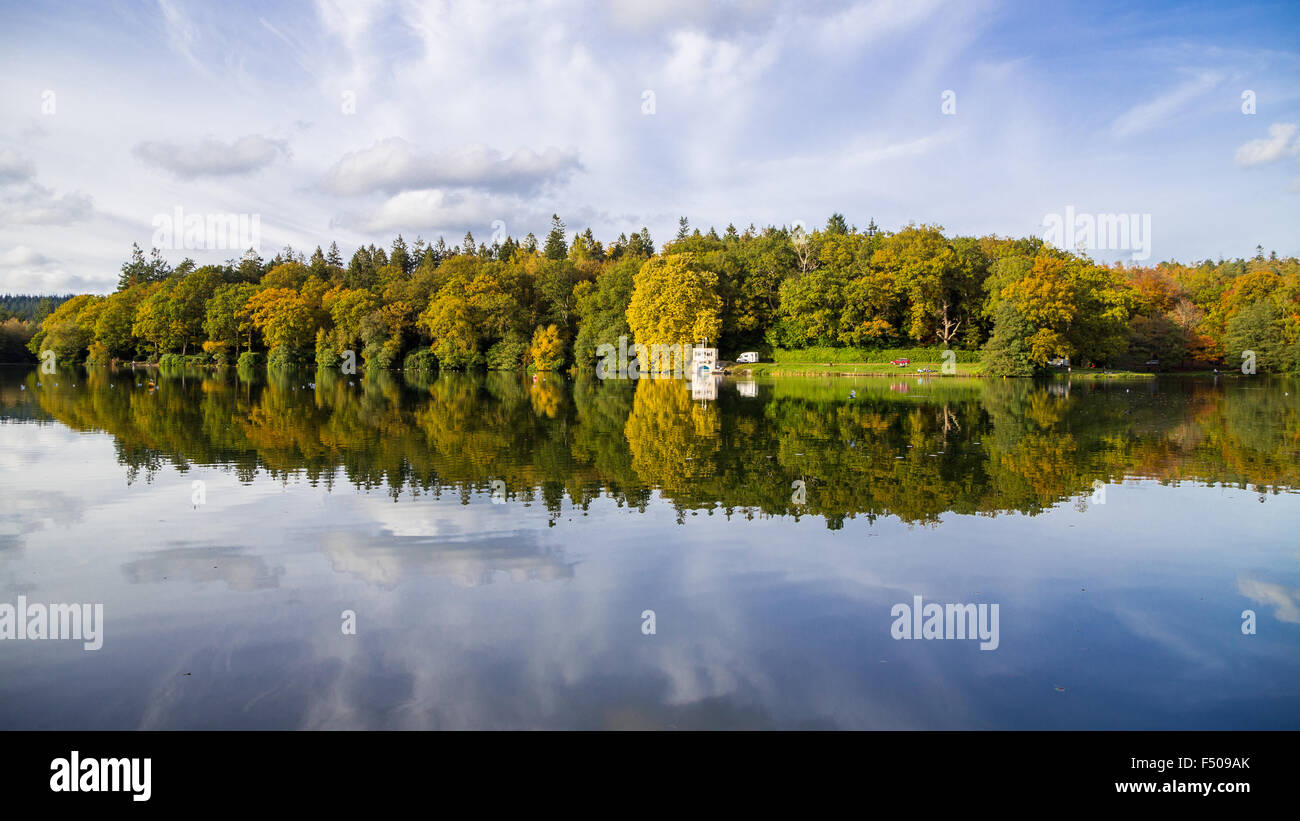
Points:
x=704, y=386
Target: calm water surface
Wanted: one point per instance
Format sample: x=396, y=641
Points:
x=499, y=541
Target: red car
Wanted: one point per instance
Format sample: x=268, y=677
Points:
x=900, y=362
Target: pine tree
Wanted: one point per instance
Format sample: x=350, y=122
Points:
x=556, y=247
x=318, y=266
x=250, y=267
x=135, y=271
x=400, y=256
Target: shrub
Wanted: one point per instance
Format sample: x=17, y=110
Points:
x=420, y=359
x=251, y=359
x=98, y=354
x=326, y=356
x=381, y=356
x=454, y=356
x=282, y=356
x=507, y=354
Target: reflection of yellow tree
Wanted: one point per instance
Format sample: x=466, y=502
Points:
x=547, y=397
x=673, y=441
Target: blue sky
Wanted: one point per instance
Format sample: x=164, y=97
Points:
x=469, y=114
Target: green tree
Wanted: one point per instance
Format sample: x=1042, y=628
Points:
x=556, y=248
x=1007, y=352
x=1258, y=328
x=228, y=320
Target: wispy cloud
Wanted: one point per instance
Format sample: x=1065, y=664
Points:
x=1160, y=111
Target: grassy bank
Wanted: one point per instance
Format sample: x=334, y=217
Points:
x=886, y=369
x=852, y=369
x=1098, y=373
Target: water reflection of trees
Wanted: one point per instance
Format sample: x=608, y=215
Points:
x=965, y=447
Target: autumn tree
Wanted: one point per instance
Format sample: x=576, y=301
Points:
x=674, y=302
x=283, y=318
x=547, y=348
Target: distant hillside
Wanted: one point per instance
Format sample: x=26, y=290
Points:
x=29, y=307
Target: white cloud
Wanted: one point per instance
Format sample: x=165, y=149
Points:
x=211, y=157
x=1284, y=600
x=430, y=209
x=638, y=14
x=38, y=205
x=394, y=165
x=1271, y=148
x=14, y=167
x=23, y=255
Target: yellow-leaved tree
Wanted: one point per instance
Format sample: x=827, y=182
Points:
x=547, y=350
x=674, y=301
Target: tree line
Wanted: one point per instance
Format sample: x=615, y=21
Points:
x=20, y=317
x=550, y=304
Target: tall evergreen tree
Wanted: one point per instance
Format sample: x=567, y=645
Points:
x=318, y=266
x=556, y=247
x=400, y=256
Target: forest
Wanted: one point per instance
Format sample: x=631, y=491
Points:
x=20, y=317
x=1016, y=304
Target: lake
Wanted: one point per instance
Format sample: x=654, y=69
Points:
x=315, y=550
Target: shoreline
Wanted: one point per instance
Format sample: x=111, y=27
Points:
x=964, y=371
x=760, y=370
